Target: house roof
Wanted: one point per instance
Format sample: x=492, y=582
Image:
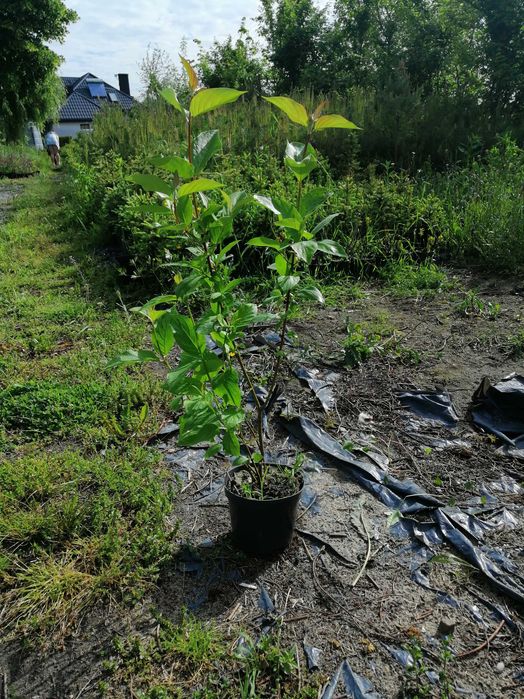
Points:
x=80, y=105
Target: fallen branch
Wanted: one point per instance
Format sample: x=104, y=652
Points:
x=486, y=643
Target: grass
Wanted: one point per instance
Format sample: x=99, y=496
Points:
x=21, y=161
x=83, y=505
x=407, y=279
x=192, y=658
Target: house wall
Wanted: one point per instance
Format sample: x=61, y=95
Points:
x=68, y=129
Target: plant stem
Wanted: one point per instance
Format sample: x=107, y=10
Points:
x=258, y=404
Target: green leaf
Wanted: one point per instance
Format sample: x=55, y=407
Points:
x=281, y=264
x=325, y=222
x=238, y=201
x=330, y=247
x=200, y=185
x=301, y=169
x=245, y=315
x=132, y=357
x=231, y=444
x=186, y=335
x=305, y=250
x=288, y=282
x=333, y=121
x=172, y=163
x=226, y=385
x=156, y=209
x=212, y=451
x=262, y=242
x=188, y=285
x=162, y=337
x=207, y=100
x=170, y=97
x=312, y=200
x=205, y=145
x=295, y=111
x=233, y=417
x=293, y=223
x=199, y=423
x=152, y=183
x=184, y=209
x=267, y=203
x=312, y=293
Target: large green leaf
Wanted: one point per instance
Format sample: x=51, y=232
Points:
x=175, y=164
x=295, y=111
x=162, y=337
x=205, y=145
x=245, y=315
x=333, y=121
x=188, y=285
x=199, y=422
x=267, y=202
x=186, y=335
x=312, y=294
x=312, y=200
x=305, y=250
x=152, y=183
x=263, y=242
x=330, y=247
x=230, y=443
x=201, y=185
x=226, y=385
x=300, y=160
x=184, y=209
x=170, y=97
x=288, y=282
x=133, y=357
x=207, y=100
x=191, y=74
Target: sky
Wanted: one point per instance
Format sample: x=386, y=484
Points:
x=112, y=36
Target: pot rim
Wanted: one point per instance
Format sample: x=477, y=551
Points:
x=235, y=469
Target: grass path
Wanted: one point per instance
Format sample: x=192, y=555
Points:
x=83, y=504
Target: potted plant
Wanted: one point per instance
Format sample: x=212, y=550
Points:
x=207, y=316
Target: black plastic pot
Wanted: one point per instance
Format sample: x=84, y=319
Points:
x=261, y=527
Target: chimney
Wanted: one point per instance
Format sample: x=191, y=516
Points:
x=123, y=83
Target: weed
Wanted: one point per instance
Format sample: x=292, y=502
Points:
x=358, y=345
x=407, y=279
x=516, y=345
x=418, y=678
x=471, y=304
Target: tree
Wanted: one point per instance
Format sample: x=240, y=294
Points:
x=234, y=63
x=30, y=89
x=294, y=31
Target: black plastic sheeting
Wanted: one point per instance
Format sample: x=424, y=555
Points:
x=321, y=385
x=463, y=531
x=430, y=405
x=499, y=409
x=356, y=686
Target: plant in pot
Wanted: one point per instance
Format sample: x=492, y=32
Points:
x=208, y=315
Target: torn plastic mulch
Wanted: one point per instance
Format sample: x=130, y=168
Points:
x=431, y=405
x=499, y=409
x=320, y=384
x=356, y=686
x=461, y=530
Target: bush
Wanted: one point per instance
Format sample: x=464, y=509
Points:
x=19, y=161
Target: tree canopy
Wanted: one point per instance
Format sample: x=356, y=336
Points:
x=30, y=89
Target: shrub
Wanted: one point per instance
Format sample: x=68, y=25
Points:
x=19, y=161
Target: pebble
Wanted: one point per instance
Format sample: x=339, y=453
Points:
x=499, y=667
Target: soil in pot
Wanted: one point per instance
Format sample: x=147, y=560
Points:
x=263, y=526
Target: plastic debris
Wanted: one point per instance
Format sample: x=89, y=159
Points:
x=320, y=384
x=265, y=602
x=402, y=656
x=499, y=409
x=185, y=461
x=356, y=686
x=242, y=649
x=431, y=405
x=312, y=656
x=507, y=484
x=405, y=496
x=309, y=500
x=188, y=561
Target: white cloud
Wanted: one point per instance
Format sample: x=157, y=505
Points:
x=112, y=36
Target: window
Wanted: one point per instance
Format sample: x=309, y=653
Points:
x=85, y=127
x=113, y=97
x=97, y=89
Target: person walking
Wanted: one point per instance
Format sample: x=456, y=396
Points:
x=52, y=143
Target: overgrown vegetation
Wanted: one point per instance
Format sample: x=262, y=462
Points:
x=17, y=161
x=83, y=505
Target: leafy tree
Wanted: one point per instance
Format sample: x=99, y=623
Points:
x=294, y=31
x=235, y=63
x=30, y=90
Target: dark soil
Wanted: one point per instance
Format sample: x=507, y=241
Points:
x=277, y=484
x=322, y=594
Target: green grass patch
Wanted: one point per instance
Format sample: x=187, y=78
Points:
x=407, y=279
x=74, y=530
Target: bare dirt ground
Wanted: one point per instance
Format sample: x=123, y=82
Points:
x=403, y=593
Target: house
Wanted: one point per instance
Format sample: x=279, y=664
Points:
x=86, y=96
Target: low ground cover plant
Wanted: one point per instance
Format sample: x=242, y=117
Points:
x=19, y=161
